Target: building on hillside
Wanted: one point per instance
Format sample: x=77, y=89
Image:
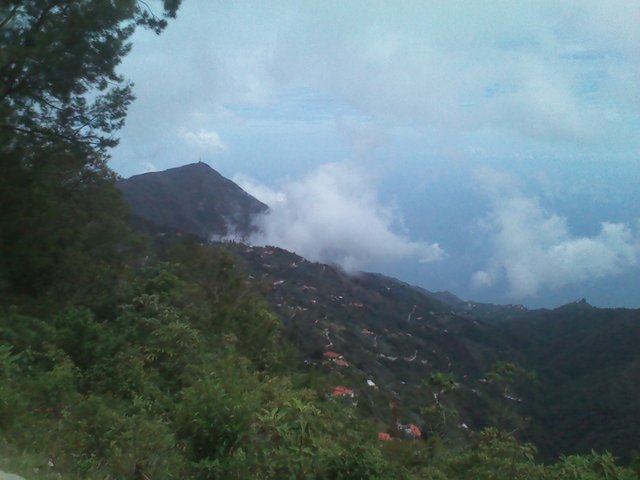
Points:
x=343, y=394
x=409, y=430
x=332, y=356
x=340, y=391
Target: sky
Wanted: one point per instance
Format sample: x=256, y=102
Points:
x=491, y=149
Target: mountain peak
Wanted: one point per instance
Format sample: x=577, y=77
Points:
x=581, y=304
x=193, y=199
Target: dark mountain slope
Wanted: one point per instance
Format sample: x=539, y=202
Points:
x=396, y=335
x=589, y=363
x=387, y=332
x=193, y=199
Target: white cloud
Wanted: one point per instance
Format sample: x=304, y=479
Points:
x=332, y=215
x=266, y=195
x=205, y=140
x=544, y=68
x=361, y=136
x=561, y=72
x=148, y=166
x=534, y=249
x=538, y=68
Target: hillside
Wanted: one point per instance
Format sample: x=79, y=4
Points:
x=589, y=365
x=386, y=331
x=395, y=336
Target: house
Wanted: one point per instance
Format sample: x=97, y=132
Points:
x=366, y=331
x=332, y=356
x=344, y=395
x=335, y=358
x=409, y=430
x=340, y=391
x=384, y=436
x=415, y=431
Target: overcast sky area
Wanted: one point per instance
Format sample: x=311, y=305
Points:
x=491, y=149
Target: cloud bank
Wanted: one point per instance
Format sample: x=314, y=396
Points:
x=546, y=70
x=533, y=248
x=332, y=215
x=203, y=140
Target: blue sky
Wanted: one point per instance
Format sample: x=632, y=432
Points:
x=487, y=148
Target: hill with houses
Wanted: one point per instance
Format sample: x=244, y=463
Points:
x=383, y=340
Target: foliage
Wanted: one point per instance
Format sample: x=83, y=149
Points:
x=496, y=455
x=590, y=467
x=169, y=384
x=58, y=84
x=9, y=401
x=439, y=412
x=508, y=386
x=62, y=222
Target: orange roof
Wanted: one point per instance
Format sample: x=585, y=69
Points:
x=342, y=391
x=331, y=355
x=415, y=431
x=384, y=436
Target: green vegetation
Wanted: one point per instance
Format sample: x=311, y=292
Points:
x=583, y=395
x=126, y=358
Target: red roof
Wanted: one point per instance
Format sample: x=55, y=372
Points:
x=366, y=331
x=415, y=431
x=342, y=391
x=384, y=436
x=331, y=355
x=341, y=363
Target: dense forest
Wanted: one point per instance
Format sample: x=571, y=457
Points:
x=124, y=356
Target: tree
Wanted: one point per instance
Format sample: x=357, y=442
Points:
x=61, y=103
x=440, y=412
x=505, y=385
x=58, y=83
x=496, y=455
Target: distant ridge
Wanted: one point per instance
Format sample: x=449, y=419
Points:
x=193, y=199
